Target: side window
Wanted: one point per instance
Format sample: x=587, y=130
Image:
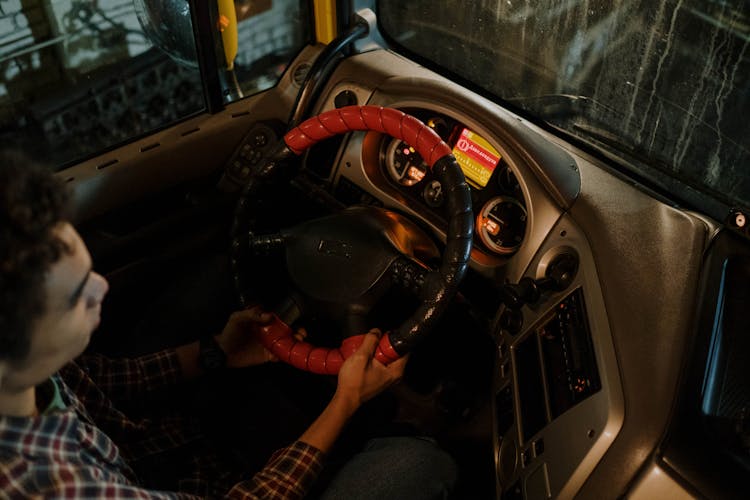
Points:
x=270, y=34
x=78, y=77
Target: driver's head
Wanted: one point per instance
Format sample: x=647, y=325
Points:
x=49, y=298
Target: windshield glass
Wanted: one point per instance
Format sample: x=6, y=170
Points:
x=662, y=84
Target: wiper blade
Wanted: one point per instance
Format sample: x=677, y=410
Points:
x=584, y=117
x=555, y=106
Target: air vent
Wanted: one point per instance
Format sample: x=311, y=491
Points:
x=299, y=73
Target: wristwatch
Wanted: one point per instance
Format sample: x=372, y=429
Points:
x=211, y=356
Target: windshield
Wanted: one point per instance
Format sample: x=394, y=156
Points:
x=662, y=84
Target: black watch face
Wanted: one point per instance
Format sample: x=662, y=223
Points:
x=212, y=359
x=211, y=355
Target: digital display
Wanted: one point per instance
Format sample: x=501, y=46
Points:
x=476, y=157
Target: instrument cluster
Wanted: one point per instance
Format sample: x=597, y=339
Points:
x=497, y=198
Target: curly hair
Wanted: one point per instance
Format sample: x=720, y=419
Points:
x=32, y=203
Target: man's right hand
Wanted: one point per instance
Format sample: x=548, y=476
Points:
x=362, y=376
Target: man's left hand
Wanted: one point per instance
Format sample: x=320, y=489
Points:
x=238, y=341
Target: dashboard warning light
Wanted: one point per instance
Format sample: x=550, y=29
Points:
x=491, y=226
x=580, y=385
x=416, y=173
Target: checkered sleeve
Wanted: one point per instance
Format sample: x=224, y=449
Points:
x=131, y=379
x=20, y=479
x=288, y=475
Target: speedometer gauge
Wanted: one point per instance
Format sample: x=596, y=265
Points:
x=404, y=164
x=501, y=224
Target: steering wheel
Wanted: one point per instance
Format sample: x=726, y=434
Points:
x=345, y=262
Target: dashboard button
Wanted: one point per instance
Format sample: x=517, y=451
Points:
x=433, y=194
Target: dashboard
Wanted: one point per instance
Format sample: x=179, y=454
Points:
x=570, y=363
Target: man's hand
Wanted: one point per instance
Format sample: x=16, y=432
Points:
x=238, y=341
x=362, y=376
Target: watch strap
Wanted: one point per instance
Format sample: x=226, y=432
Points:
x=211, y=356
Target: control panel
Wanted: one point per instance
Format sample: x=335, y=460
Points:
x=255, y=147
x=550, y=397
x=555, y=366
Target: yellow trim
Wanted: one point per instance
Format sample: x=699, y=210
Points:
x=227, y=25
x=325, y=20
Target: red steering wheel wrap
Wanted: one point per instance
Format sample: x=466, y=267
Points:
x=278, y=338
x=386, y=120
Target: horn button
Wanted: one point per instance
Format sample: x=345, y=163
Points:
x=342, y=257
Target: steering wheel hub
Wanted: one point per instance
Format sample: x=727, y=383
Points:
x=341, y=257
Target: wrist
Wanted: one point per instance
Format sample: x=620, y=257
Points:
x=324, y=431
x=347, y=404
x=221, y=340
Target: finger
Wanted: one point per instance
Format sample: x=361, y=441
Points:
x=257, y=314
x=300, y=334
x=370, y=342
x=397, y=367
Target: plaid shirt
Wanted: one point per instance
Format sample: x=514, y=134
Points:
x=68, y=453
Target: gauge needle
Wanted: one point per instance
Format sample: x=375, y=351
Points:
x=499, y=222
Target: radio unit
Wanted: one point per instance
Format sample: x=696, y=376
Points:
x=555, y=365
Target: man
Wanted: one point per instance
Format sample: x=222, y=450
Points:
x=61, y=433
